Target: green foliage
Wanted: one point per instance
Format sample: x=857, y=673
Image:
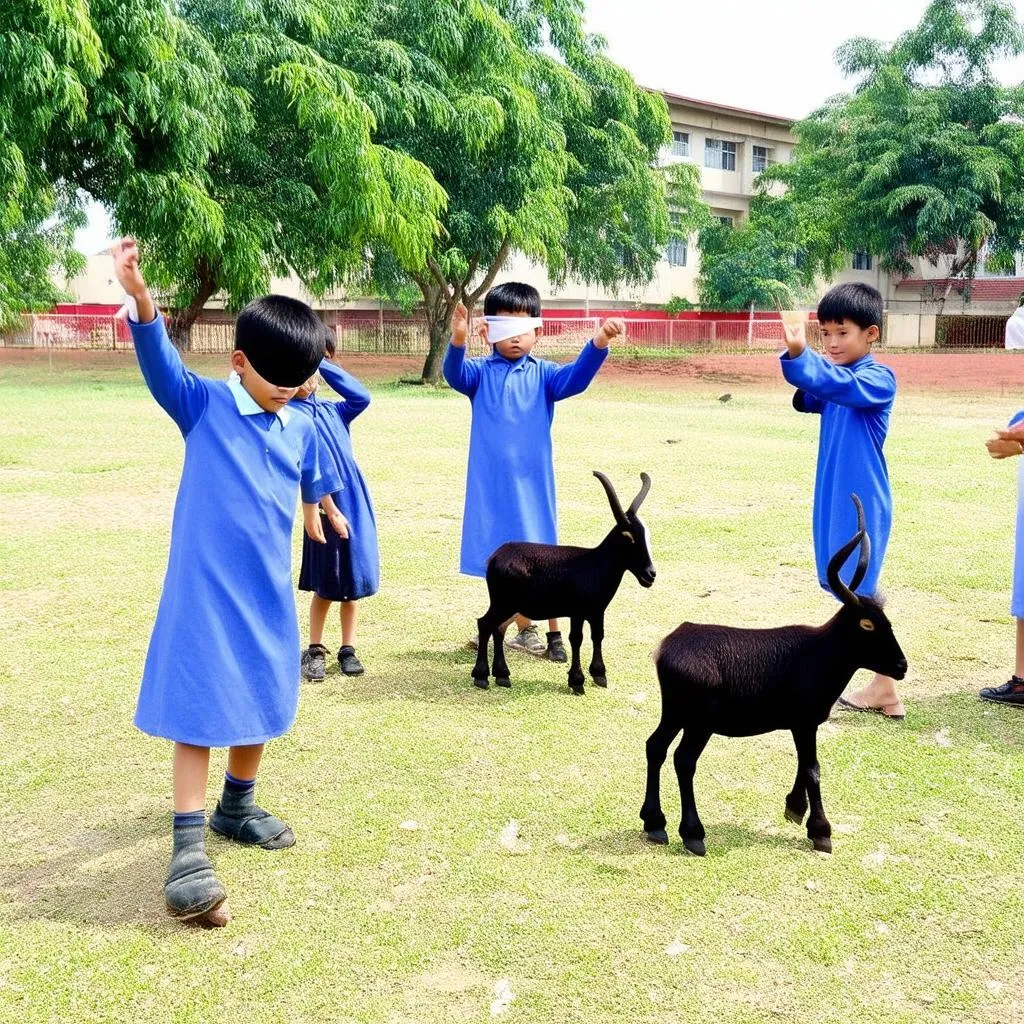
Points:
x=542, y=144
x=678, y=304
x=926, y=157
x=757, y=263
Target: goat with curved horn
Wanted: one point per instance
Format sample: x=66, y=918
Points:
x=645, y=486
x=613, y=498
x=847, y=594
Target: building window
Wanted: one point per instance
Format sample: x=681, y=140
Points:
x=760, y=159
x=862, y=261
x=676, y=252
x=725, y=220
x=720, y=155
x=680, y=143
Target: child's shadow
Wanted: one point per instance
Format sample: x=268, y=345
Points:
x=109, y=876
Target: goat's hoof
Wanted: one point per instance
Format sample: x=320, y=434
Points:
x=695, y=846
x=576, y=689
x=657, y=835
x=600, y=681
x=502, y=681
x=797, y=817
x=481, y=684
x=823, y=844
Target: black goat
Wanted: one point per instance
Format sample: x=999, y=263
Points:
x=550, y=581
x=745, y=682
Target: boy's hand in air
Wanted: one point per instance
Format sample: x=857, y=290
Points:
x=794, y=327
x=460, y=326
x=611, y=330
x=126, y=268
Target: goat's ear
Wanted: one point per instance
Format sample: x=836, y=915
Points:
x=629, y=536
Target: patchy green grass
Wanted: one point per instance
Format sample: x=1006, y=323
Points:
x=915, y=918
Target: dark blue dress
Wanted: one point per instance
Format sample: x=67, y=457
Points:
x=341, y=570
x=223, y=661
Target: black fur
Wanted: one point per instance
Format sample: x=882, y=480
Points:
x=549, y=581
x=744, y=682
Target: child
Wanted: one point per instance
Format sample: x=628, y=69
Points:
x=347, y=568
x=1005, y=444
x=223, y=668
x=510, y=483
x=854, y=396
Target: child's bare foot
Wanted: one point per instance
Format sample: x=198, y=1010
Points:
x=879, y=697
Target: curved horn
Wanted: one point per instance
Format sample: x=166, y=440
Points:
x=613, y=498
x=645, y=481
x=838, y=587
x=865, y=547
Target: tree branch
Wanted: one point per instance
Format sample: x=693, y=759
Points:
x=492, y=272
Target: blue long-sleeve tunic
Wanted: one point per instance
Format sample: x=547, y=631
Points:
x=333, y=424
x=854, y=403
x=510, y=482
x=223, y=661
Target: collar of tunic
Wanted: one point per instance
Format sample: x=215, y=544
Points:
x=497, y=357
x=247, y=405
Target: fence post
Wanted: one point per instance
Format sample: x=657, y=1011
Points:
x=113, y=333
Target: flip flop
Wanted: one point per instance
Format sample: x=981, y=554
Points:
x=848, y=705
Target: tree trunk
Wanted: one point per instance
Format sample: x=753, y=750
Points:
x=179, y=323
x=439, y=332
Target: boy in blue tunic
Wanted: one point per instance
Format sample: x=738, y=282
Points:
x=510, y=483
x=1007, y=443
x=853, y=395
x=223, y=663
x=347, y=567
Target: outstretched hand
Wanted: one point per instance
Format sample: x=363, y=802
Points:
x=1004, y=445
x=460, y=326
x=610, y=331
x=794, y=327
x=126, y=268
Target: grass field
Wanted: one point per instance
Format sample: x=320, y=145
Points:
x=916, y=917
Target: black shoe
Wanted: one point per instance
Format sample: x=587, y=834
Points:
x=350, y=664
x=314, y=662
x=1011, y=693
x=556, y=649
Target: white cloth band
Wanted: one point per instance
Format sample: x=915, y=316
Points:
x=501, y=328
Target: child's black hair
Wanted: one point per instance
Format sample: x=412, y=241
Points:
x=859, y=303
x=512, y=297
x=283, y=339
x=330, y=341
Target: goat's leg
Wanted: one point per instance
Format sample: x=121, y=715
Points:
x=576, y=677
x=651, y=813
x=819, y=831
x=597, y=669
x=501, y=676
x=691, y=746
x=481, y=670
x=796, y=799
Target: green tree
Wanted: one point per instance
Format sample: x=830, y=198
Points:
x=543, y=145
x=755, y=264
x=926, y=157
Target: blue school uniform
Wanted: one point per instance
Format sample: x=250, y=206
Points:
x=854, y=403
x=1017, y=600
x=223, y=662
x=510, y=483
x=341, y=570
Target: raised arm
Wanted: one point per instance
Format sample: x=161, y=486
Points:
x=355, y=392
x=574, y=378
x=870, y=387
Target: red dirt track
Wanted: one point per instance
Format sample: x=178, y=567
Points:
x=995, y=372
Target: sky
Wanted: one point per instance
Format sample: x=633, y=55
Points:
x=774, y=56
